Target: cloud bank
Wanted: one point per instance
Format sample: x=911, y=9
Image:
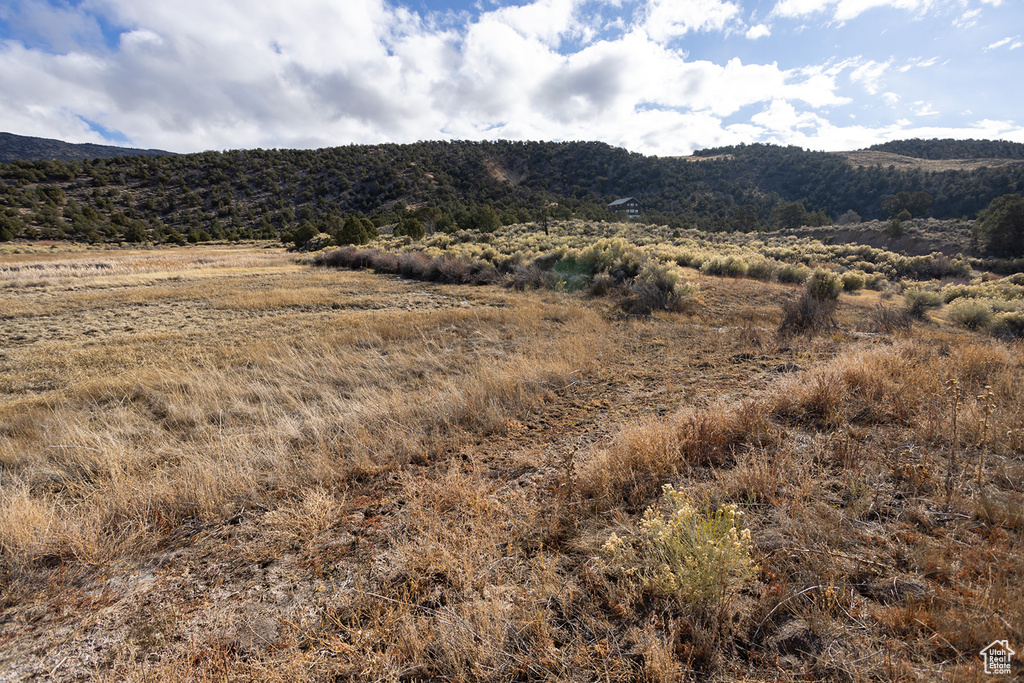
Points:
x=197, y=75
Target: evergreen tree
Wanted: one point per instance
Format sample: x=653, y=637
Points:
x=999, y=229
x=352, y=232
x=486, y=219
x=410, y=227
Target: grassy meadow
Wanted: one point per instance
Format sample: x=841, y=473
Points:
x=609, y=459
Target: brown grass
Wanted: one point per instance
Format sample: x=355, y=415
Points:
x=871, y=158
x=286, y=473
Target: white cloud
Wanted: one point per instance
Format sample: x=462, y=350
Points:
x=870, y=74
x=918, y=63
x=800, y=8
x=1014, y=42
x=968, y=19
x=667, y=19
x=781, y=116
x=547, y=21
x=214, y=75
x=849, y=9
x=758, y=31
x=844, y=10
x=922, y=108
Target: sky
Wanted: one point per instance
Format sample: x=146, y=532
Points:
x=659, y=77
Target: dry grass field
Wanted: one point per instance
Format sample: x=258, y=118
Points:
x=868, y=157
x=220, y=464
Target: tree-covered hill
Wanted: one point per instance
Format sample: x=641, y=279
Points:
x=449, y=185
x=953, y=149
x=24, y=148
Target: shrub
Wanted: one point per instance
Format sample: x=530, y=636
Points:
x=851, y=217
x=875, y=281
x=970, y=313
x=1010, y=324
x=807, y=315
x=449, y=270
x=1000, y=228
x=614, y=256
x=824, y=285
x=793, y=272
x=689, y=258
x=659, y=286
x=412, y=265
x=814, y=310
x=410, y=227
x=695, y=555
x=890, y=320
x=854, y=280
x=731, y=266
x=525, y=277
x=317, y=242
x=761, y=269
x=601, y=285
x=919, y=301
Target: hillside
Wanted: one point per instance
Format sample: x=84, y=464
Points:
x=448, y=186
x=25, y=148
x=871, y=157
x=954, y=149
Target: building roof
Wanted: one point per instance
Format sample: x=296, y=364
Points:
x=625, y=200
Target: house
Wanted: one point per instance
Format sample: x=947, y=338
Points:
x=630, y=205
x=998, y=656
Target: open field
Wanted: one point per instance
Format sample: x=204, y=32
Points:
x=223, y=464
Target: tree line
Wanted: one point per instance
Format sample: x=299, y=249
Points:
x=445, y=186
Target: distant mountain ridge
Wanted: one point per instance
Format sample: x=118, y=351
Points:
x=446, y=186
x=25, y=148
x=949, y=148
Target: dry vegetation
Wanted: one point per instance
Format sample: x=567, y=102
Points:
x=222, y=464
x=868, y=157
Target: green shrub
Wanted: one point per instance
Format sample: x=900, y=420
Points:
x=660, y=285
x=615, y=256
x=919, y=301
x=854, y=280
x=1009, y=324
x=409, y=227
x=1000, y=228
x=875, y=281
x=970, y=313
x=699, y=556
x=824, y=285
x=793, y=272
x=761, y=269
x=731, y=266
x=689, y=258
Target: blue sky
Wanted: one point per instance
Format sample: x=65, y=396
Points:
x=659, y=77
